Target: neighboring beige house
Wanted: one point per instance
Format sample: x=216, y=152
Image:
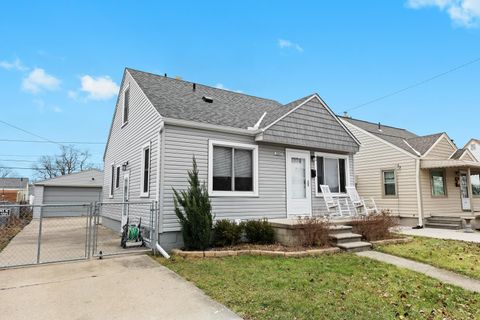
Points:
x=474, y=146
x=423, y=179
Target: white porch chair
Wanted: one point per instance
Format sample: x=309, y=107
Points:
x=334, y=204
x=360, y=203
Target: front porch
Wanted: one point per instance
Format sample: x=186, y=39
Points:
x=450, y=192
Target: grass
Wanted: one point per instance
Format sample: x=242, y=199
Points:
x=341, y=286
x=11, y=228
x=458, y=256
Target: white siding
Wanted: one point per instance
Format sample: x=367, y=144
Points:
x=125, y=145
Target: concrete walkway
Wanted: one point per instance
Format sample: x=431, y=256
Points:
x=128, y=287
x=441, y=234
x=439, y=274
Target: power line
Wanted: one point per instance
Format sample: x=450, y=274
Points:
x=388, y=95
x=16, y=160
x=25, y=168
x=57, y=142
x=28, y=132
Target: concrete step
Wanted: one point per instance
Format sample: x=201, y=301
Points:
x=345, y=237
x=355, y=246
x=339, y=229
x=440, y=225
x=446, y=219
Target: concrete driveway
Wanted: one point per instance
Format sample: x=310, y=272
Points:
x=127, y=287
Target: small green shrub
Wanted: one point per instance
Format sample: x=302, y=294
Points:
x=194, y=212
x=226, y=233
x=259, y=231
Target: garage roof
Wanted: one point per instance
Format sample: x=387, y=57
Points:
x=87, y=178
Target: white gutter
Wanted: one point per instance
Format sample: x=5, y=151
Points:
x=163, y=252
x=208, y=126
x=257, y=124
x=419, y=191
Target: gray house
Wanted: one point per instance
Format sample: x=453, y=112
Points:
x=259, y=158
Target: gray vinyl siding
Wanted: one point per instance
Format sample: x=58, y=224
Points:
x=311, y=126
x=125, y=145
x=181, y=144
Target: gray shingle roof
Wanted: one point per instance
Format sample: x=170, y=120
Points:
x=424, y=143
x=176, y=99
x=13, y=183
x=399, y=137
x=92, y=177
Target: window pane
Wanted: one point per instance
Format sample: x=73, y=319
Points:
x=117, y=180
x=146, y=169
x=320, y=177
x=475, y=178
x=389, y=183
x=222, y=168
x=331, y=174
x=298, y=179
x=112, y=180
x=343, y=174
x=126, y=104
x=243, y=170
x=438, y=183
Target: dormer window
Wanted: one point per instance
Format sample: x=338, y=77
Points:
x=126, y=105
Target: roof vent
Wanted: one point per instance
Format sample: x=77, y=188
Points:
x=207, y=99
x=379, y=127
x=194, y=86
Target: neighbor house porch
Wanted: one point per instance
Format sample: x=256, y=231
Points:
x=450, y=189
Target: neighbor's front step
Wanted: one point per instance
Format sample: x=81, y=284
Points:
x=345, y=237
x=355, y=246
x=449, y=226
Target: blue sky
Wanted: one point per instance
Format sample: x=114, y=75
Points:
x=61, y=62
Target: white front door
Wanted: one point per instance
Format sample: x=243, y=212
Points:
x=298, y=183
x=464, y=191
x=126, y=191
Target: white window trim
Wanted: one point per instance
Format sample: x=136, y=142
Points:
x=384, y=195
x=112, y=179
x=254, y=148
x=347, y=173
x=145, y=146
x=124, y=123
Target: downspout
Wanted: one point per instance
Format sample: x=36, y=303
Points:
x=419, y=193
x=160, y=182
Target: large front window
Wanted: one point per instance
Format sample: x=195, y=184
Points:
x=232, y=168
x=437, y=179
x=332, y=171
x=475, y=179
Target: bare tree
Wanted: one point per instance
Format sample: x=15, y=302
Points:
x=69, y=160
x=6, y=172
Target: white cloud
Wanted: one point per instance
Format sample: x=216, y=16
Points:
x=221, y=86
x=464, y=13
x=99, y=88
x=15, y=64
x=38, y=80
x=287, y=44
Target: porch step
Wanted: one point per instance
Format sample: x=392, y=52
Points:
x=452, y=223
x=355, y=246
x=347, y=237
x=448, y=226
x=336, y=229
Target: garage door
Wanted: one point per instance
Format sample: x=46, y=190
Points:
x=68, y=195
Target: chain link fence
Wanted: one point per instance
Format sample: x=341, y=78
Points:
x=65, y=232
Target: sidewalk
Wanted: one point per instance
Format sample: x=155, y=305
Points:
x=441, y=234
x=437, y=273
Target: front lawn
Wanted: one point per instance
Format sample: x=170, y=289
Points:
x=458, y=256
x=341, y=286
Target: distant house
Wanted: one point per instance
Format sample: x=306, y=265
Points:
x=14, y=189
x=259, y=158
x=76, y=188
x=421, y=178
x=474, y=146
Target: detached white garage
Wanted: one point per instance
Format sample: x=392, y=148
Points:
x=76, y=188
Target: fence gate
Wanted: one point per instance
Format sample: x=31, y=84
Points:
x=37, y=234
